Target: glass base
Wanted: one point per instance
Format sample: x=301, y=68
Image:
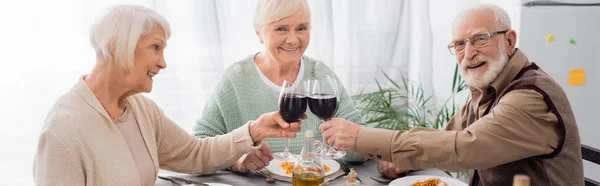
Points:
x=335, y=154
x=332, y=154
x=285, y=156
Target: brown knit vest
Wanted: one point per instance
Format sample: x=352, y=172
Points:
x=564, y=166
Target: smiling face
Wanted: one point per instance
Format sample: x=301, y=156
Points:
x=286, y=40
x=479, y=66
x=148, y=60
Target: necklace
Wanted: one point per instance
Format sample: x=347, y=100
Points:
x=122, y=117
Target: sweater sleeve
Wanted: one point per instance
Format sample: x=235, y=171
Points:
x=212, y=121
x=181, y=152
x=55, y=163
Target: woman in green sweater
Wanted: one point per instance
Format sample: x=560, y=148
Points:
x=251, y=86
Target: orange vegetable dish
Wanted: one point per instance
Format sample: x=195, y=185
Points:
x=287, y=167
x=428, y=182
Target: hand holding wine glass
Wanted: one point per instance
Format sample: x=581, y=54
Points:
x=292, y=106
x=340, y=133
x=272, y=125
x=323, y=102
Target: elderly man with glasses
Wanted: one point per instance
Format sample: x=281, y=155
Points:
x=519, y=120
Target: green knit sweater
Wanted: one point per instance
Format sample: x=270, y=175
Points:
x=242, y=95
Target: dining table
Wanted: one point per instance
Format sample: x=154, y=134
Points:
x=365, y=170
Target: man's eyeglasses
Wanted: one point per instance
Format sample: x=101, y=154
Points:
x=477, y=41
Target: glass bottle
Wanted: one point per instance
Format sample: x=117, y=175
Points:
x=308, y=171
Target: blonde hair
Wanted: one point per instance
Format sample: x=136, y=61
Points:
x=120, y=28
x=268, y=11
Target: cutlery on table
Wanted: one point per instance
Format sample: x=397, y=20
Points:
x=269, y=178
x=177, y=180
x=385, y=180
x=345, y=167
x=381, y=180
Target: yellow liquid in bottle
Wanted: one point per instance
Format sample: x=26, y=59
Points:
x=307, y=179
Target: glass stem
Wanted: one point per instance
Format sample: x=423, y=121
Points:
x=328, y=148
x=286, y=150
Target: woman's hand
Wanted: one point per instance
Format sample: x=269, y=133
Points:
x=272, y=125
x=254, y=160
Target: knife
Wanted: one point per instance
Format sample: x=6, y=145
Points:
x=344, y=167
x=186, y=181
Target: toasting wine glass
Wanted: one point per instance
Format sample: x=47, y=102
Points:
x=292, y=105
x=323, y=102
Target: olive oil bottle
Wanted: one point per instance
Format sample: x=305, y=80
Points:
x=308, y=171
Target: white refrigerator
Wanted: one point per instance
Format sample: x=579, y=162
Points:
x=563, y=38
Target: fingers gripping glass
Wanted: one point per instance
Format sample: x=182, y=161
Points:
x=477, y=41
x=323, y=100
x=292, y=105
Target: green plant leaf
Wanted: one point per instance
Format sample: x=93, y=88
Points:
x=404, y=105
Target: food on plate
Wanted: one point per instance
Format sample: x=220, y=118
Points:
x=288, y=166
x=430, y=182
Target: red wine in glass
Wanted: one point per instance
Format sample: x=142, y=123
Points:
x=292, y=106
x=323, y=106
x=323, y=102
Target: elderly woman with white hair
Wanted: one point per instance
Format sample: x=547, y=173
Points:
x=251, y=86
x=103, y=132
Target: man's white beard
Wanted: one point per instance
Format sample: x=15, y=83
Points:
x=494, y=67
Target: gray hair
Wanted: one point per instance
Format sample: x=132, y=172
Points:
x=120, y=28
x=502, y=18
x=268, y=11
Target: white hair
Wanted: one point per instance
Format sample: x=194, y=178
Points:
x=268, y=11
x=120, y=28
x=502, y=18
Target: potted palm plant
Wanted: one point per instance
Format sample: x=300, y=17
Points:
x=402, y=105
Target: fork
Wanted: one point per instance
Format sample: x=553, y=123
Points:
x=177, y=180
x=385, y=180
x=269, y=178
x=382, y=181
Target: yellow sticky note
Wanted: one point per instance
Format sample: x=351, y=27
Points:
x=577, y=77
x=550, y=38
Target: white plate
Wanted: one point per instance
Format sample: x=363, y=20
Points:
x=218, y=184
x=407, y=180
x=276, y=169
x=210, y=184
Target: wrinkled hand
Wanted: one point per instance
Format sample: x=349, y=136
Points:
x=341, y=134
x=254, y=160
x=272, y=125
x=388, y=169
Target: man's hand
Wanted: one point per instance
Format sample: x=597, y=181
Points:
x=254, y=160
x=341, y=134
x=388, y=169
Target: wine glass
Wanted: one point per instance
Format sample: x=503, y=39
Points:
x=323, y=102
x=292, y=105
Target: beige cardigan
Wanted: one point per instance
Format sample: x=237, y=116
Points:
x=79, y=144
